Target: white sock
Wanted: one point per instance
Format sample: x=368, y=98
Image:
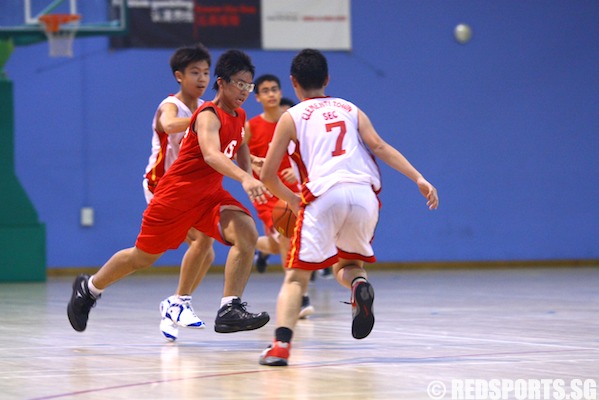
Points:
x=227, y=300
x=92, y=289
x=357, y=280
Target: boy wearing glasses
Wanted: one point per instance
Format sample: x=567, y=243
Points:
x=191, y=195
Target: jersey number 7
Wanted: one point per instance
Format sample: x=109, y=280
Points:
x=340, y=126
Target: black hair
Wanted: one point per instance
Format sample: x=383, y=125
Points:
x=286, y=101
x=266, y=78
x=186, y=55
x=230, y=63
x=310, y=69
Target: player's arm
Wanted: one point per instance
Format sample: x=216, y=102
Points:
x=207, y=127
x=392, y=157
x=284, y=133
x=244, y=158
x=169, y=122
x=256, y=161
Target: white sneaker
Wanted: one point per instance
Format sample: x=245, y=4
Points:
x=169, y=330
x=177, y=311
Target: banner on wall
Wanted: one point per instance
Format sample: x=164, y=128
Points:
x=299, y=24
x=174, y=23
x=250, y=24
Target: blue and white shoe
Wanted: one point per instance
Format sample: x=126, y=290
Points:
x=169, y=330
x=177, y=311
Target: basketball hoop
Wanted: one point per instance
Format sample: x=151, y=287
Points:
x=60, y=30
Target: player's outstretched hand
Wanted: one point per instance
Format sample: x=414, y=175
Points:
x=256, y=190
x=429, y=192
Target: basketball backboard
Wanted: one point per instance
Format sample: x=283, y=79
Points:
x=19, y=19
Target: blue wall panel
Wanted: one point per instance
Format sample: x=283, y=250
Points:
x=507, y=128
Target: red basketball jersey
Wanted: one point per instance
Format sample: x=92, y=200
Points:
x=190, y=178
x=262, y=132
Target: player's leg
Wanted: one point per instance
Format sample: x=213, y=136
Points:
x=289, y=303
x=86, y=289
x=269, y=243
x=196, y=262
x=346, y=271
x=121, y=264
x=354, y=244
x=321, y=218
x=351, y=274
x=265, y=246
x=306, y=308
x=238, y=229
x=176, y=310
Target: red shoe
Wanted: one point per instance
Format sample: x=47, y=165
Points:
x=276, y=355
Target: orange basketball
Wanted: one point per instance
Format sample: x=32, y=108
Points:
x=283, y=218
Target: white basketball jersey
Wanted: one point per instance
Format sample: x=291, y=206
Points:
x=173, y=141
x=329, y=149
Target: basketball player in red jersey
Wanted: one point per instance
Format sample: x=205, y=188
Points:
x=191, y=195
x=334, y=145
x=258, y=134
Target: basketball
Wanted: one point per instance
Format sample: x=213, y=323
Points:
x=283, y=218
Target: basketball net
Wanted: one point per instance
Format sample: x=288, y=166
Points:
x=60, y=30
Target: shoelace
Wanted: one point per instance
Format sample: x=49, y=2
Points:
x=87, y=301
x=242, y=306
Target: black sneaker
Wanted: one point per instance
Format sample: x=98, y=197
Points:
x=363, y=318
x=233, y=317
x=261, y=261
x=81, y=302
x=307, y=309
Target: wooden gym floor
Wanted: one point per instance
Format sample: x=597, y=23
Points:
x=431, y=325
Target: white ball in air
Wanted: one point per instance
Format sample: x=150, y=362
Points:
x=462, y=33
